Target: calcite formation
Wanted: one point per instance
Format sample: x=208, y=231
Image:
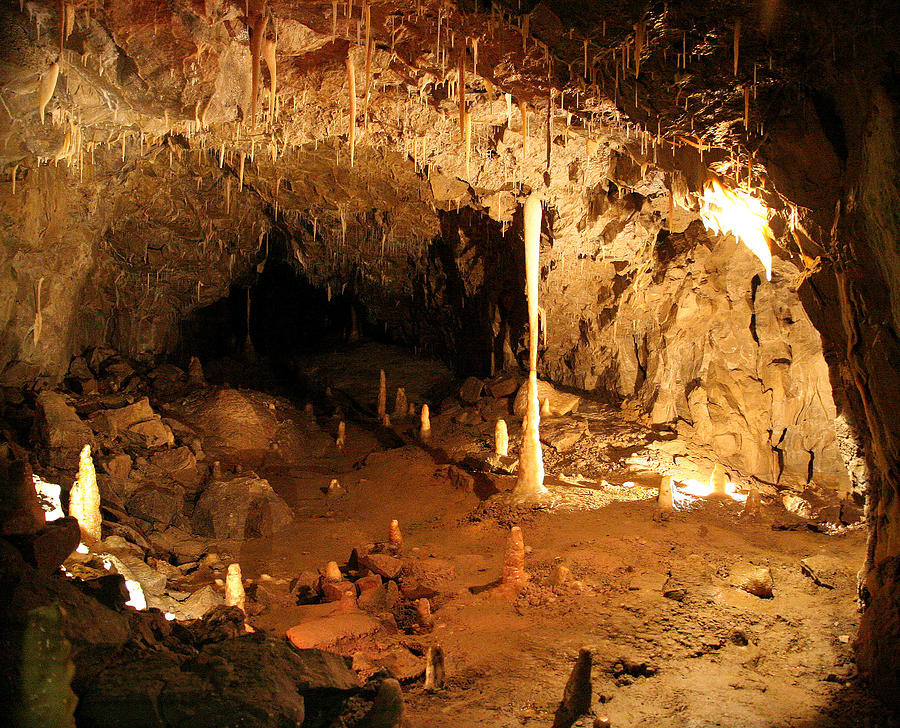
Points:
x=84, y=498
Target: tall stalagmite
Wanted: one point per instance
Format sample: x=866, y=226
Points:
x=530, y=480
x=84, y=498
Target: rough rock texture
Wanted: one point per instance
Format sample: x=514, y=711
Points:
x=243, y=507
x=147, y=191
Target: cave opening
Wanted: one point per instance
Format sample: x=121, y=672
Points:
x=367, y=364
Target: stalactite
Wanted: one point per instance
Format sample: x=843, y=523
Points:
x=351, y=82
x=468, y=141
x=737, y=43
x=241, y=173
x=461, y=90
x=48, y=86
x=256, y=43
x=747, y=110
x=272, y=66
x=508, y=98
x=370, y=45
x=639, y=30
x=84, y=498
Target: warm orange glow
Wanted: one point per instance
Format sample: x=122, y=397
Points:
x=699, y=489
x=741, y=214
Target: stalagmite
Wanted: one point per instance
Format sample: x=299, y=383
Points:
x=385, y=420
x=530, y=478
x=514, y=573
x=753, y=507
x=401, y=406
x=665, y=499
x=508, y=98
x=501, y=438
x=382, y=395
x=425, y=424
x=424, y=618
x=576, y=700
x=545, y=407
x=234, y=587
x=395, y=536
x=351, y=82
x=718, y=480
x=45, y=672
x=84, y=498
x=256, y=43
x=341, y=435
x=48, y=86
x=273, y=67
x=434, y=668
x=333, y=571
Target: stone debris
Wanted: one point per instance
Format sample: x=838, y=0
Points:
x=755, y=580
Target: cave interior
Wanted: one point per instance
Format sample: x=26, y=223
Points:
x=511, y=363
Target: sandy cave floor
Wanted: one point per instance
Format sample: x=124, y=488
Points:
x=653, y=596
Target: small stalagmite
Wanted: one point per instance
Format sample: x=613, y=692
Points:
x=717, y=481
x=341, y=435
x=382, y=395
x=84, y=498
x=424, y=617
x=234, y=587
x=195, y=372
x=530, y=478
x=514, y=573
x=753, y=507
x=665, y=500
x=545, y=407
x=501, y=438
x=577, y=694
x=333, y=571
x=434, y=668
x=395, y=536
x=425, y=424
x=401, y=406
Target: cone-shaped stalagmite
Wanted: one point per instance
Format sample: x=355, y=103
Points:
x=501, y=438
x=395, y=536
x=84, y=498
x=753, y=507
x=401, y=406
x=530, y=480
x=425, y=426
x=514, y=573
x=341, y=435
x=234, y=587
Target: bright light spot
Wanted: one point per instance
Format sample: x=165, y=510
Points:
x=169, y=616
x=741, y=214
x=628, y=484
x=48, y=495
x=700, y=489
x=136, y=595
x=82, y=549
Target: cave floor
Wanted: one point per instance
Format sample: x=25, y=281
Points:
x=674, y=640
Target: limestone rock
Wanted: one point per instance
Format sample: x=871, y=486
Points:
x=324, y=628
x=155, y=504
x=58, y=425
x=561, y=403
x=244, y=507
x=561, y=435
x=470, y=391
x=179, y=464
x=201, y=602
x=753, y=580
x=136, y=423
x=382, y=564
